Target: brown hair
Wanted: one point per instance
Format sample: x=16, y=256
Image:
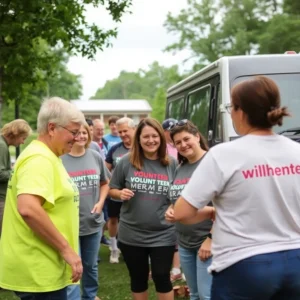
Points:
x=137, y=153
x=259, y=99
x=16, y=128
x=113, y=119
x=192, y=129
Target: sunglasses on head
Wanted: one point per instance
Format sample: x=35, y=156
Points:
x=179, y=123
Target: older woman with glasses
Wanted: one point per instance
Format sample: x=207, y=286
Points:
x=39, y=244
x=254, y=185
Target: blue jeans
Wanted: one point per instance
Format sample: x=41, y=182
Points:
x=197, y=277
x=89, y=249
x=55, y=295
x=272, y=276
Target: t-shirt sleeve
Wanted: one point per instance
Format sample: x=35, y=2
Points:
x=36, y=177
x=119, y=175
x=205, y=184
x=4, y=168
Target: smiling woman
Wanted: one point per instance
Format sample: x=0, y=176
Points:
x=87, y=169
x=41, y=211
x=141, y=181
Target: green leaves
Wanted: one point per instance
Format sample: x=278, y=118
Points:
x=30, y=30
x=150, y=84
x=214, y=28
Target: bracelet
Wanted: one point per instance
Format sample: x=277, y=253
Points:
x=209, y=236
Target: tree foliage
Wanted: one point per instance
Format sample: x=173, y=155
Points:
x=61, y=83
x=214, y=28
x=30, y=30
x=150, y=84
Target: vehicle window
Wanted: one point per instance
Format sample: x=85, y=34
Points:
x=219, y=122
x=198, y=108
x=176, y=109
x=290, y=96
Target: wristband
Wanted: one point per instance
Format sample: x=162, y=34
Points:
x=209, y=236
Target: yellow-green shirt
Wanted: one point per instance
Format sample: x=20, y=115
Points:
x=27, y=263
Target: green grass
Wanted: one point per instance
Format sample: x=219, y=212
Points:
x=113, y=281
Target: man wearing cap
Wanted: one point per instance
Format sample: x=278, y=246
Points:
x=167, y=125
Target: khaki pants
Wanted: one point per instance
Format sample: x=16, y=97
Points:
x=1, y=214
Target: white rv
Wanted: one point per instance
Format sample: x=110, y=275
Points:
x=204, y=96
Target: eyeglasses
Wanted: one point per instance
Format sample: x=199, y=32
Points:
x=228, y=108
x=179, y=123
x=74, y=133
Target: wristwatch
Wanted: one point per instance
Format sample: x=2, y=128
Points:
x=209, y=236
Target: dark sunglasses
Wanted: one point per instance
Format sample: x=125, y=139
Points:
x=179, y=123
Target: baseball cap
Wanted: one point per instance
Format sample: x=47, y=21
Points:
x=168, y=123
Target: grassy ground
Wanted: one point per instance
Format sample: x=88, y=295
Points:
x=113, y=280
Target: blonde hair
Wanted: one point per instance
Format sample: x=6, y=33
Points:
x=58, y=111
x=16, y=128
x=87, y=128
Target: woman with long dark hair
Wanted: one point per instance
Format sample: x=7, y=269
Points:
x=192, y=238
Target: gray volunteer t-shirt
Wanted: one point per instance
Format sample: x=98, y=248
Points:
x=115, y=153
x=87, y=171
x=94, y=146
x=189, y=236
x=142, y=221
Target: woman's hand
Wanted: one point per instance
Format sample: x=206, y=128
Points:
x=126, y=194
x=97, y=209
x=169, y=215
x=205, y=250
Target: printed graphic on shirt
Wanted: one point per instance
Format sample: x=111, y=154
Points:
x=152, y=183
x=177, y=186
x=266, y=170
x=85, y=180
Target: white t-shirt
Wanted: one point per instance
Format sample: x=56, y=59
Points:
x=254, y=183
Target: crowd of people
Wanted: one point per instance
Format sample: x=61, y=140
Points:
x=225, y=219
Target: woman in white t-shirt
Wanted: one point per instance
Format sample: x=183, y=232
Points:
x=254, y=185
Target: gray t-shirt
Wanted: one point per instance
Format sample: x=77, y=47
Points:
x=142, y=221
x=254, y=184
x=189, y=236
x=94, y=146
x=87, y=171
x=115, y=153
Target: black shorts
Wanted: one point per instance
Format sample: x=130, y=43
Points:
x=113, y=208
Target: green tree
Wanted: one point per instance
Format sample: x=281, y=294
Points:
x=61, y=83
x=159, y=104
x=143, y=84
x=214, y=28
x=29, y=30
x=128, y=85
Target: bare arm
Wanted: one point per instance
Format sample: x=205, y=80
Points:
x=108, y=166
x=187, y=214
x=31, y=210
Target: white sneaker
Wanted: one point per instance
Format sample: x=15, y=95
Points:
x=114, y=257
